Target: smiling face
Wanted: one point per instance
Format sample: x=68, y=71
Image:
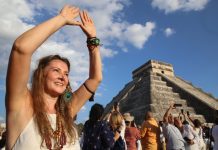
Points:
x=56, y=77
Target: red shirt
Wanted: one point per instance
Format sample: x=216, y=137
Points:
x=132, y=134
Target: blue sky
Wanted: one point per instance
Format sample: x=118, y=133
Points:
x=181, y=32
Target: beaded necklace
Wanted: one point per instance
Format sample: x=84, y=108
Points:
x=57, y=135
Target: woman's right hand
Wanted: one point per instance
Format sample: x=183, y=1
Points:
x=69, y=13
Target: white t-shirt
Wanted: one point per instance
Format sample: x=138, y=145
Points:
x=190, y=134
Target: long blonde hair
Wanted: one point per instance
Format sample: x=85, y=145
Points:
x=115, y=120
x=40, y=115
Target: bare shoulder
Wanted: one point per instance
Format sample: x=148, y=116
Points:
x=18, y=119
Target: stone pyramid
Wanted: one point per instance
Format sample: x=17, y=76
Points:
x=154, y=87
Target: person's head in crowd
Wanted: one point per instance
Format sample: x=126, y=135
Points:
x=160, y=123
x=115, y=120
x=197, y=123
x=148, y=115
x=185, y=122
x=128, y=119
x=171, y=119
x=177, y=122
x=96, y=112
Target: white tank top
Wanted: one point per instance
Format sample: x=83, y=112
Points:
x=30, y=139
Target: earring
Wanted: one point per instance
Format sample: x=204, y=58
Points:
x=67, y=95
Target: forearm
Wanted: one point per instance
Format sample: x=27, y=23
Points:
x=166, y=115
x=95, y=69
x=29, y=41
x=192, y=121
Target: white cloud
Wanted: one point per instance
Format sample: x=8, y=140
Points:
x=169, y=31
x=105, y=52
x=12, y=15
x=138, y=34
x=83, y=109
x=173, y=5
x=107, y=16
x=19, y=16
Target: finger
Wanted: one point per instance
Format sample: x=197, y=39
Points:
x=91, y=21
x=89, y=18
x=74, y=9
x=85, y=15
x=75, y=12
x=82, y=17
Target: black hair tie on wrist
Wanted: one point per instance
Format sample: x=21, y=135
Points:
x=91, y=99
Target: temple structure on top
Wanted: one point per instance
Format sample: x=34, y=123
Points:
x=154, y=87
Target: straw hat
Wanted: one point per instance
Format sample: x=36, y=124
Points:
x=128, y=117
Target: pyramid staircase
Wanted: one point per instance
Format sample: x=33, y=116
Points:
x=163, y=96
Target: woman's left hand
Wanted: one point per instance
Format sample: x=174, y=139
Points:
x=87, y=25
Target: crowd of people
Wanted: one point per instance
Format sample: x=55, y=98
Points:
x=118, y=131
x=42, y=117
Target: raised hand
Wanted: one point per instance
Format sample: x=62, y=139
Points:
x=69, y=13
x=87, y=25
x=172, y=106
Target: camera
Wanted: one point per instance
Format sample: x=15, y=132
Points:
x=177, y=105
x=188, y=113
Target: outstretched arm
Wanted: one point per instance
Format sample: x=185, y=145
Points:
x=166, y=115
x=23, y=48
x=81, y=95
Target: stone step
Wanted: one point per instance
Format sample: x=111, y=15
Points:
x=166, y=105
x=155, y=78
x=164, y=94
x=179, y=101
x=174, y=100
x=161, y=88
x=158, y=82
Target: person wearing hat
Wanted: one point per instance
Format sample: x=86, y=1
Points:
x=132, y=134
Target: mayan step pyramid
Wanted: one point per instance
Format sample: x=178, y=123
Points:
x=154, y=87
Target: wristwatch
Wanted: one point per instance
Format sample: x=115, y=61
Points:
x=93, y=41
